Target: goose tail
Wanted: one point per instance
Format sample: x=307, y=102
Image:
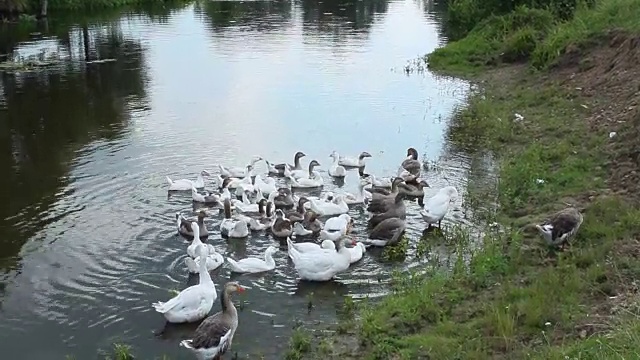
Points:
x=169, y=180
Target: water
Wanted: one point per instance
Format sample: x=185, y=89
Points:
x=88, y=240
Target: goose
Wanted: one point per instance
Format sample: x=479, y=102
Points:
x=415, y=188
x=213, y=260
x=437, y=206
x=301, y=173
x=238, y=172
x=299, y=230
x=184, y=225
x=380, y=203
x=357, y=252
x=208, y=199
x=396, y=209
x=336, y=227
x=387, y=232
x=308, y=246
x=312, y=179
x=379, y=192
x=561, y=226
x=410, y=167
x=360, y=197
x=246, y=183
x=186, y=184
x=384, y=183
x=266, y=185
x=245, y=205
x=351, y=162
x=321, y=265
x=281, y=226
x=296, y=164
x=230, y=183
x=232, y=228
x=298, y=214
x=283, y=199
x=254, y=265
x=311, y=222
x=258, y=224
x=336, y=170
x=193, y=303
x=327, y=208
x=192, y=249
x=214, y=335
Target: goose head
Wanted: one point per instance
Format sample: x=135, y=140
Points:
x=268, y=209
x=395, y=182
x=227, y=208
x=412, y=153
x=310, y=216
x=334, y=155
x=279, y=214
x=255, y=159
x=299, y=155
x=205, y=173
x=271, y=250
x=341, y=243
x=363, y=155
x=232, y=287
x=313, y=164
x=301, y=202
x=201, y=215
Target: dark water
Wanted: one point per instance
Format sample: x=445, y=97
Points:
x=87, y=240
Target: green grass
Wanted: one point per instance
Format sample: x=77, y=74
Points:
x=299, y=345
x=538, y=35
x=513, y=297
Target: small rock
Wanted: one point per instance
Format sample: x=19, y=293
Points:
x=612, y=134
x=547, y=323
x=583, y=334
x=540, y=181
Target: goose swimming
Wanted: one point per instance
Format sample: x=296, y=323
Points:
x=296, y=164
x=185, y=229
x=353, y=163
x=186, y=184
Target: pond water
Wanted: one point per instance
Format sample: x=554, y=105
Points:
x=87, y=239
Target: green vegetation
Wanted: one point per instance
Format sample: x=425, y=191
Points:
x=513, y=297
x=21, y=9
x=539, y=34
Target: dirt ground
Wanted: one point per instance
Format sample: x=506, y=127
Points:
x=606, y=74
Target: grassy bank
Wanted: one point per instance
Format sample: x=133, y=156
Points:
x=575, y=89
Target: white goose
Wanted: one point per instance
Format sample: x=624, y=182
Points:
x=437, y=206
x=232, y=228
x=353, y=162
x=384, y=183
x=299, y=230
x=208, y=199
x=357, y=252
x=321, y=265
x=327, y=208
x=239, y=172
x=254, y=265
x=192, y=249
x=309, y=246
x=266, y=185
x=214, y=261
x=298, y=174
x=335, y=169
x=336, y=227
x=361, y=197
x=193, y=303
x=261, y=223
x=186, y=184
x=311, y=180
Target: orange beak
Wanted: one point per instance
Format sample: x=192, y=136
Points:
x=241, y=289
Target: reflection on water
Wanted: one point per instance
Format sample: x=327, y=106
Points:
x=87, y=240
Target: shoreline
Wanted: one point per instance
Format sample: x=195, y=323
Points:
x=575, y=91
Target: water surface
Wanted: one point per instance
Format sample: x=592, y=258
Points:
x=88, y=240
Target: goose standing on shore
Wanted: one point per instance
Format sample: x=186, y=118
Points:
x=321, y=265
x=214, y=336
x=560, y=227
x=410, y=167
x=193, y=303
x=437, y=206
x=396, y=210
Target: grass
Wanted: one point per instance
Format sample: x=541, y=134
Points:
x=513, y=297
x=532, y=34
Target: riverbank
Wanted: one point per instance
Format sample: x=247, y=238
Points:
x=558, y=106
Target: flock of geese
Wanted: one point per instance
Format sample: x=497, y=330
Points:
x=254, y=203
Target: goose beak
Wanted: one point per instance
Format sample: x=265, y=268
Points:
x=241, y=289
